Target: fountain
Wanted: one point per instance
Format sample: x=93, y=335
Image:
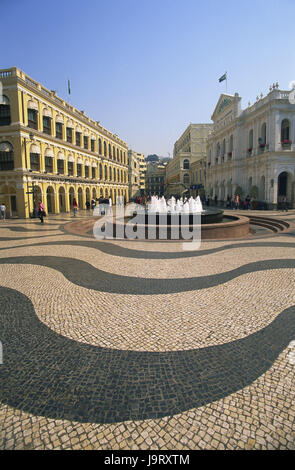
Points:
x=167, y=215
x=189, y=207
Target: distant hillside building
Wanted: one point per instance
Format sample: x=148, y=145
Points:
x=155, y=178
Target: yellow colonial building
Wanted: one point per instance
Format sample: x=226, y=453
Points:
x=51, y=151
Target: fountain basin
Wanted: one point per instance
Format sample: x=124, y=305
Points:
x=207, y=217
x=234, y=227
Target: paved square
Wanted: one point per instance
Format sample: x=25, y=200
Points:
x=141, y=345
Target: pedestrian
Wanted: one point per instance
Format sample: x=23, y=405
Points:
x=75, y=207
x=215, y=199
x=87, y=205
x=41, y=211
x=248, y=202
x=2, y=210
x=237, y=201
x=284, y=203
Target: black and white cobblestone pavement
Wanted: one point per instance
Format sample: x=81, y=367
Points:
x=141, y=345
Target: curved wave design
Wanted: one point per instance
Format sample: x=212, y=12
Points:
x=123, y=252
x=85, y=275
x=44, y=373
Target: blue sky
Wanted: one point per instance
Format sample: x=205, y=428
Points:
x=147, y=68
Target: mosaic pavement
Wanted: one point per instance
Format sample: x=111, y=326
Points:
x=141, y=345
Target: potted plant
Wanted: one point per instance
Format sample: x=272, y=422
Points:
x=286, y=143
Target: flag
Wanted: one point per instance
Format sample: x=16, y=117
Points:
x=223, y=78
x=69, y=88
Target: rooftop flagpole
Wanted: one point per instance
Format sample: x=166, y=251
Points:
x=224, y=77
x=69, y=90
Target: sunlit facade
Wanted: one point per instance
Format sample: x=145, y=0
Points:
x=51, y=151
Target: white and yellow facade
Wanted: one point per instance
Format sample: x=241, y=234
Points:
x=50, y=146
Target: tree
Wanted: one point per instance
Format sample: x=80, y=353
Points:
x=254, y=193
x=239, y=191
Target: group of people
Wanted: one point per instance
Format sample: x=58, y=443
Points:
x=233, y=203
x=236, y=203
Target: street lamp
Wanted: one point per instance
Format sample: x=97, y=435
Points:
x=31, y=189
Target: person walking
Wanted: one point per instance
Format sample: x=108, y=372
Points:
x=248, y=201
x=2, y=210
x=41, y=211
x=75, y=206
x=237, y=201
x=284, y=203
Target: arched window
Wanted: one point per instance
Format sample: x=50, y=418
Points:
x=186, y=164
x=285, y=130
x=186, y=178
x=117, y=155
x=105, y=173
x=114, y=174
x=6, y=156
x=5, y=111
x=121, y=156
x=99, y=147
x=118, y=175
x=100, y=171
x=105, y=149
x=114, y=153
x=35, y=157
x=110, y=151
x=33, y=117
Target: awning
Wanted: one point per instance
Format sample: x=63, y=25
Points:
x=61, y=156
x=49, y=153
x=47, y=112
x=6, y=147
x=35, y=149
x=59, y=119
x=32, y=105
x=5, y=100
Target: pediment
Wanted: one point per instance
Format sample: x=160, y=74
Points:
x=224, y=103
